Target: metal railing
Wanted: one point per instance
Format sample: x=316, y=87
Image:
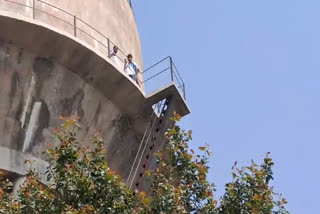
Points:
x=72, y=24
x=165, y=70
x=83, y=30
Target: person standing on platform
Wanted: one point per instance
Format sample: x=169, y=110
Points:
x=131, y=68
x=113, y=56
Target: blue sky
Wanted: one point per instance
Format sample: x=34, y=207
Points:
x=252, y=74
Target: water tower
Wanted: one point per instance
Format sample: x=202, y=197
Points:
x=54, y=60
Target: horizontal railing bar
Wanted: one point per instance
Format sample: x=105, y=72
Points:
x=122, y=60
x=55, y=7
x=123, y=53
x=155, y=65
x=156, y=75
x=101, y=34
x=53, y=16
x=119, y=49
x=92, y=37
x=13, y=2
x=92, y=27
x=84, y=22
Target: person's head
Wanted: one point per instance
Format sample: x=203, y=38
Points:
x=115, y=49
x=129, y=57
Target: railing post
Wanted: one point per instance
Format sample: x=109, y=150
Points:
x=33, y=9
x=109, y=48
x=75, y=26
x=184, y=91
x=171, y=68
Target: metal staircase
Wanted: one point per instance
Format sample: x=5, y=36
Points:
x=151, y=141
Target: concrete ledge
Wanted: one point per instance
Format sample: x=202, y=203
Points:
x=13, y=161
x=171, y=90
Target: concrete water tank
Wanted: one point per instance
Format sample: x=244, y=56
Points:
x=54, y=61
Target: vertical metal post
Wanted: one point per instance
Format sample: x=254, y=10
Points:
x=33, y=9
x=75, y=25
x=184, y=91
x=109, y=48
x=171, y=68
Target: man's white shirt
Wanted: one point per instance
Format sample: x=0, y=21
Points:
x=131, y=68
x=116, y=60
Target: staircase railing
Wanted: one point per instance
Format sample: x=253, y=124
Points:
x=149, y=138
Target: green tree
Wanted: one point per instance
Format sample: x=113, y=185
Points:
x=179, y=183
x=81, y=182
x=250, y=191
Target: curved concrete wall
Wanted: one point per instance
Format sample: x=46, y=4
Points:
x=113, y=18
x=35, y=91
x=46, y=72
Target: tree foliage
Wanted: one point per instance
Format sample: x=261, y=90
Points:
x=179, y=184
x=81, y=182
x=250, y=191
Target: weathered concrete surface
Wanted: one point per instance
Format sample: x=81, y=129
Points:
x=74, y=54
x=46, y=72
x=113, y=18
x=13, y=162
x=35, y=91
